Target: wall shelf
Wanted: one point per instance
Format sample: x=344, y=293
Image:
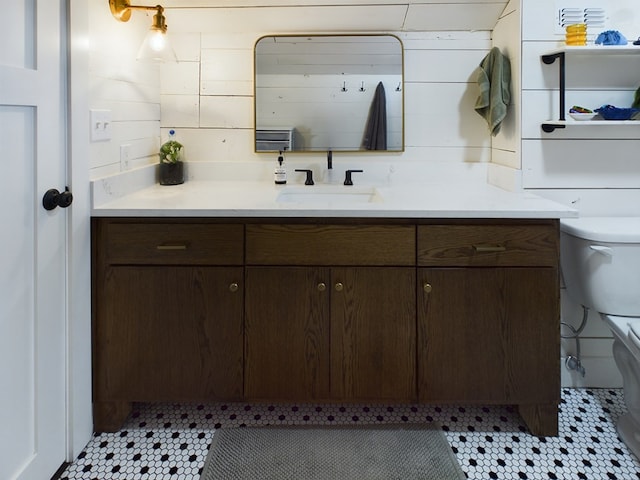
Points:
x=560, y=55
x=597, y=50
x=551, y=125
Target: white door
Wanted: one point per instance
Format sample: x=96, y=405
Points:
x=32, y=240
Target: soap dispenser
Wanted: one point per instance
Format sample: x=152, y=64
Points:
x=280, y=173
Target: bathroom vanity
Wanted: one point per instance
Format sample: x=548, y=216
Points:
x=313, y=308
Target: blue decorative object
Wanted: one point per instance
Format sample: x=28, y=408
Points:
x=609, y=112
x=611, y=37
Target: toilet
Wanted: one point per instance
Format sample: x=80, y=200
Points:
x=600, y=262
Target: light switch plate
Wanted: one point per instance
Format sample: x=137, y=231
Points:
x=100, y=125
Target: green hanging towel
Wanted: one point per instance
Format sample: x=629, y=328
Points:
x=494, y=80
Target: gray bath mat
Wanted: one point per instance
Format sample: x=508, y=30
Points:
x=331, y=453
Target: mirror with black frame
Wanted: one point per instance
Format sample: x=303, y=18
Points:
x=329, y=92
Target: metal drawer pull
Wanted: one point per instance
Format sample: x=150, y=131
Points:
x=322, y=287
x=233, y=287
x=427, y=288
x=489, y=248
x=171, y=247
x=339, y=287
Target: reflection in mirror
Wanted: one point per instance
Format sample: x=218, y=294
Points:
x=329, y=92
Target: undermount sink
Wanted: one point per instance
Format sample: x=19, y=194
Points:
x=334, y=194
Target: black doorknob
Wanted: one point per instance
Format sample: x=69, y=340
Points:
x=53, y=198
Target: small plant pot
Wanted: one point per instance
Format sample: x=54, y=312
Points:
x=171, y=173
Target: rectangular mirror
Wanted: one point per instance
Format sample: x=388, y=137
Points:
x=329, y=92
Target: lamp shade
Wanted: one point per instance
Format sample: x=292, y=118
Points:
x=156, y=47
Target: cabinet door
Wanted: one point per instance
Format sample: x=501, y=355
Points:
x=489, y=335
x=169, y=334
x=373, y=333
x=287, y=333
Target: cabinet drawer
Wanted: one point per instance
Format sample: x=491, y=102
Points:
x=488, y=245
x=173, y=244
x=331, y=245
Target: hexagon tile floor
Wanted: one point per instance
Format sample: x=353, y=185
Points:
x=170, y=442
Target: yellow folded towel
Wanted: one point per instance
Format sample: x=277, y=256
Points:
x=494, y=80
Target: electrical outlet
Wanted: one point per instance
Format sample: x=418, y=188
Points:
x=125, y=156
x=100, y=125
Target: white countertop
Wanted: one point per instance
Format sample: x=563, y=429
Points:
x=264, y=199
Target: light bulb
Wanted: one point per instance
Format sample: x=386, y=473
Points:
x=156, y=48
x=157, y=40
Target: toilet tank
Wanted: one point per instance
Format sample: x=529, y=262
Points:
x=600, y=261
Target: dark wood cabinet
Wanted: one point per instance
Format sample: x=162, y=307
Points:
x=336, y=332
x=165, y=332
x=497, y=353
x=158, y=350
x=373, y=334
x=287, y=333
x=344, y=333
x=437, y=311
x=488, y=325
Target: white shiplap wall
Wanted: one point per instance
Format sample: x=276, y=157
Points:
x=129, y=89
x=208, y=95
x=440, y=123
x=578, y=159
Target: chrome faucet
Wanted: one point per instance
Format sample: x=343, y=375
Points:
x=329, y=159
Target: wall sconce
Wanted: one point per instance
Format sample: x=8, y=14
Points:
x=156, y=46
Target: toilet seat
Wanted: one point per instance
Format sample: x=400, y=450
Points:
x=627, y=330
x=634, y=334
x=619, y=325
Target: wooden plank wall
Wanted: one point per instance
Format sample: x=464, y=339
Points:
x=578, y=158
x=208, y=96
x=439, y=94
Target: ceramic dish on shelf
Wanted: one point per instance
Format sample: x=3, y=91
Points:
x=582, y=116
x=609, y=112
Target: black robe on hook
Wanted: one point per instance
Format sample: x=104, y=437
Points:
x=375, y=134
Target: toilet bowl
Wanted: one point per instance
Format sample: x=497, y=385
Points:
x=600, y=261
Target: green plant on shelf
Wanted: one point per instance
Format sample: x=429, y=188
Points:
x=170, y=152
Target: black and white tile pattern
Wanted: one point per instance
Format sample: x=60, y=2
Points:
x=166, y=441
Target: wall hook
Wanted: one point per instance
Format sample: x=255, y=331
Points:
x=362, y=89
x=344, y=87
x=398, y=89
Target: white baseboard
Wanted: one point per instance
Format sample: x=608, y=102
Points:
x=600, y=372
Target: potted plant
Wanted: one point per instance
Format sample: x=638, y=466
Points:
x=171, y=166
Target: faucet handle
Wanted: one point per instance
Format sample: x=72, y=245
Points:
x=347, y=176
x=309, y=179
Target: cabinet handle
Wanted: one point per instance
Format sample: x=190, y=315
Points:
x=427, y=288
x=322, y=287
x=339, y=287
x=171, y=247
x=233, y=287
x=489, y=248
